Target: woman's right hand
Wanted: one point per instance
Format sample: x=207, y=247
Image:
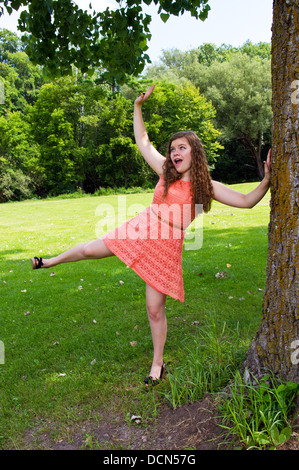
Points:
x=142, y=98
x=147, y=150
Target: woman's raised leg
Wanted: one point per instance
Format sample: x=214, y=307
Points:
x=96, y=249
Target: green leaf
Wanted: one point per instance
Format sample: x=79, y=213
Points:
x=292, y=386
x=164, y=17
x=204, y=13
x=275, y=435
x=285, y=435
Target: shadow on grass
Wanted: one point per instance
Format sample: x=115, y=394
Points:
x=4, y=253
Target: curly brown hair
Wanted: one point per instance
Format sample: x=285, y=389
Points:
x=200, y=179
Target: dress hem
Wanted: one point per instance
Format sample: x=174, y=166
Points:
x=119, y=256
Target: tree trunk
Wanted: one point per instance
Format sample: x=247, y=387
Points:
x=276, y=345
x=256, y=152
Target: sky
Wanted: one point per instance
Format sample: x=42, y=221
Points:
x=229, y=22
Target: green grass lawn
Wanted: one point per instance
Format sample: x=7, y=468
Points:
x=68, y=349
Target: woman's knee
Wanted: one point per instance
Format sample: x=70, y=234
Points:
x=87, y=250
x=155, y=304
x=95, y=250
x=155, y=309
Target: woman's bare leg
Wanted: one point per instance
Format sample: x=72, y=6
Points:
x=91, y=250
x=155, y=306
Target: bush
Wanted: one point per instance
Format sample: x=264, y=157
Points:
x=14, y=185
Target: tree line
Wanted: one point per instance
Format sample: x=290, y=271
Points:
x=75, y=132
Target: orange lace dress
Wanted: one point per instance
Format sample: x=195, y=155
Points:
x=152, y=242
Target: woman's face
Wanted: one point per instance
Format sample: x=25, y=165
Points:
x=180, y=154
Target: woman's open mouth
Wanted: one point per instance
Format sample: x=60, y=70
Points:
x=177, y=161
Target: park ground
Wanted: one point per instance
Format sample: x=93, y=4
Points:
x=63, y=390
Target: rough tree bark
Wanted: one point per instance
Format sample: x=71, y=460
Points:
x=276, y=345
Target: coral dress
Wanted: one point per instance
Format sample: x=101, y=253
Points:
x=152, y=242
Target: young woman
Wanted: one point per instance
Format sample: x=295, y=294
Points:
x=152, y=242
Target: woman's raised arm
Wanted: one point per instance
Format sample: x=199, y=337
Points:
x=148, y=151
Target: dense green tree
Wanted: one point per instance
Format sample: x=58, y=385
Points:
x=180, y=62
x=29, y=78
x=22, y=81
x=261, y=50
x=9, y=43
x=240, y=90
x=118, y=161
x=60, y=34
x=19, y=158
x=10, y=95
x=20, y=78
x=54, y=119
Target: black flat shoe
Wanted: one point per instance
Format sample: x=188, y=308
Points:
x=153, y=382
x=36, y=262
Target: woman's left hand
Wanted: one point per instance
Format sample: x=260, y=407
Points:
x=267, y=165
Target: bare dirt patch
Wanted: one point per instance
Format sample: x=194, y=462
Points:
x=191, y=427
x=195, y=426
